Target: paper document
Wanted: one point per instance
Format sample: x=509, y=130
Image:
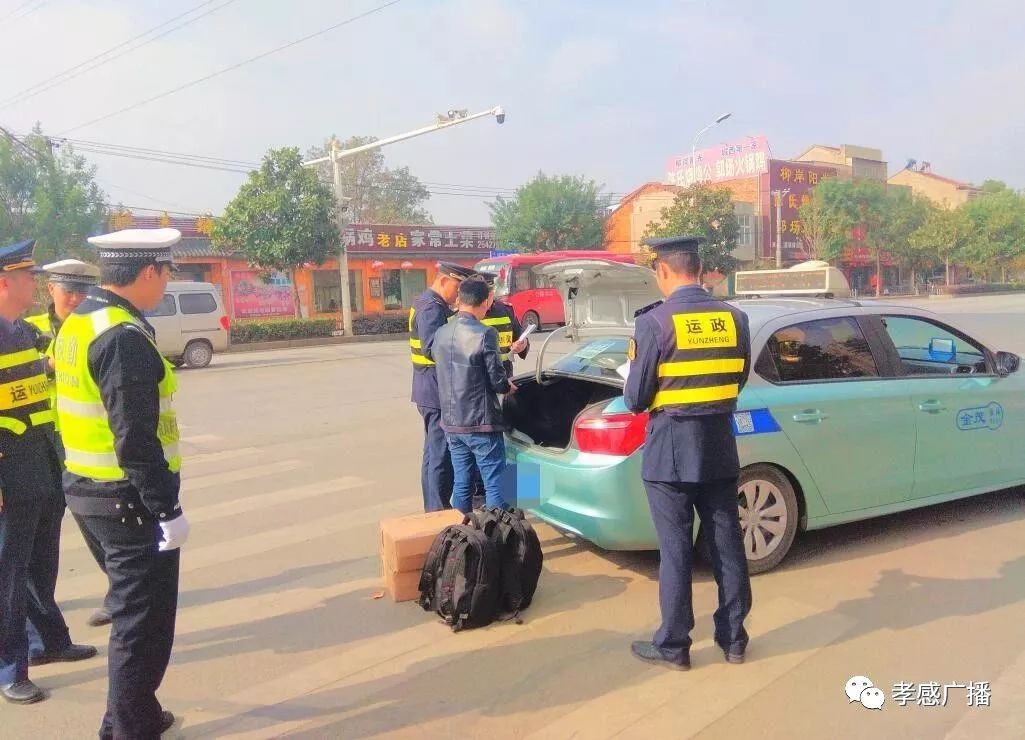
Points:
x=528, y=331
x=624, y=370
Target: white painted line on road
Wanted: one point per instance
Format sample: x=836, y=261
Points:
x=208, y=457
x=234, y=476
x=201, y=438
x=228, y=549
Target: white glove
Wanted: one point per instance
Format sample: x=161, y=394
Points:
x=176, y=532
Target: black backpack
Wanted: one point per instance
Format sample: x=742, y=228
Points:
x=460, y=579
x=519, y=555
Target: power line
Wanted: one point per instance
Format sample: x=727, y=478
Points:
x=233, y=67
x=87, y=66
x=18, y=10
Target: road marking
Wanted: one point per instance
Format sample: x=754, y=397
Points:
x=234, y=476
x=234, y=507
x=218, y=554
x=200, y=438
x=208, y=457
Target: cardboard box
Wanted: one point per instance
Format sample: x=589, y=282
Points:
x=404, y=545
x=403, y=586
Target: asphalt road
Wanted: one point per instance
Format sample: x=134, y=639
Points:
x=293, y=457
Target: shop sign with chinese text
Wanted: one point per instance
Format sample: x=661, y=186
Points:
x=404, y=239
x=747, y=157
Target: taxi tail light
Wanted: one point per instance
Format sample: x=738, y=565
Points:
x=610, y=434
x=225, y=323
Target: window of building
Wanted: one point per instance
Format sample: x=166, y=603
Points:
x=401, y=287
x=827, y=349
x=166, y=307
x=745, y=239
x=327, y=291
x=196, y=273
x=927, y=348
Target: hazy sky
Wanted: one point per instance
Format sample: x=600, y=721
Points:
x=604, y=89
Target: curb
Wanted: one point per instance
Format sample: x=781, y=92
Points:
x=317, y=342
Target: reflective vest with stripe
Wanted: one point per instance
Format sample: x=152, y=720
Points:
x=24, y=390
x=42, y=322
x=85, y=426
x=503, y=325
x=416, y=350
x=702, y=360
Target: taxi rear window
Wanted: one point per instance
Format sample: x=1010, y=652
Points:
x=596, y=359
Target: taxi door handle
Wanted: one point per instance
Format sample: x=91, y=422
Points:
x=810, y=416
x=931, y=406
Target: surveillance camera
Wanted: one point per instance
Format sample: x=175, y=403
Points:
x=500, y=114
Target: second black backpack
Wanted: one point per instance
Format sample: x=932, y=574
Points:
x=460, y=579
x=519, y=554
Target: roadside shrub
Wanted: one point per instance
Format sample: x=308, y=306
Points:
x=274, y=330
x=381, y=323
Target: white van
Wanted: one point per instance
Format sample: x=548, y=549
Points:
x=191, y=323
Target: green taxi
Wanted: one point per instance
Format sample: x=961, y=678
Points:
x=852, y=410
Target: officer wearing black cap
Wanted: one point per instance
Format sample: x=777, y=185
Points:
x=690, y=357
x=68, y=281
x=120, y=432
x=502, y=318
x=432, y=310
x=31, y=501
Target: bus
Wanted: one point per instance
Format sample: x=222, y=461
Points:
x=533, y=299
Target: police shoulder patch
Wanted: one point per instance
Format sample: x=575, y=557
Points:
x=645, y=309
x=631, y=349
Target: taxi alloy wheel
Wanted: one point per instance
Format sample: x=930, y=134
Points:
x=769, y=514
x=530, y=318
x=198, y=353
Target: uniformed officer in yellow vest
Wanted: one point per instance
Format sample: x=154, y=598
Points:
x=68, y=281
x=690, y=357
x=503, y=319
x=31, y=500
x=431, y=311
x=115, y=403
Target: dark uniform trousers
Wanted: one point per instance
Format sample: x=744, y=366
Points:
x=30, y=526
x=672, y=509
x=436, y=475
x=143, y=602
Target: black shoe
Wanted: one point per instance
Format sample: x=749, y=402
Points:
x=166, y=721
x=648, y=653
x=70, y=654
x=99, y=618
x=22, y=692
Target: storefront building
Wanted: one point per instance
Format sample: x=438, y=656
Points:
x=389, y=266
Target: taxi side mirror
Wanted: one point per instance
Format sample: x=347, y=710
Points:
x=1007, y=363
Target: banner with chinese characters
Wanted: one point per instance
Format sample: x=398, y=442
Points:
x=198, y=226
x=397, y=239
x=747, y=157
x=789, y=183
x=261, y=295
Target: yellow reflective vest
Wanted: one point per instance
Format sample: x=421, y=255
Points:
x=85, y=426
x=43, y=322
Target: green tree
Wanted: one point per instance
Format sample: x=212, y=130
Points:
x=374, y=193
x=50, y=196
x=826, y=219
x=945, y=234
x=907, y=213
x=550, y=213
x=281, y=218
x=705, y=211
x=998, y=229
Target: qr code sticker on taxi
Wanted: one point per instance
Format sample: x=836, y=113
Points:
x=745, y=424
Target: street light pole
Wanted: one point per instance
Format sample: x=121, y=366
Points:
x=694, y=142
x=779, y=225
x=452, y=118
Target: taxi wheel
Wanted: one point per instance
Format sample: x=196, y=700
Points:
x=198, y=353
x=530, y=318
x=767, y=504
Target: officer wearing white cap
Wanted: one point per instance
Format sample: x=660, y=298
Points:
x=120, y=432
x=68, y=281
x=431, y=311
x=690, y=357
x=31, y=501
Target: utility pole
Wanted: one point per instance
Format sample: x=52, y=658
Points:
x=343, y=252
x=452, y=118
x=779, y=225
